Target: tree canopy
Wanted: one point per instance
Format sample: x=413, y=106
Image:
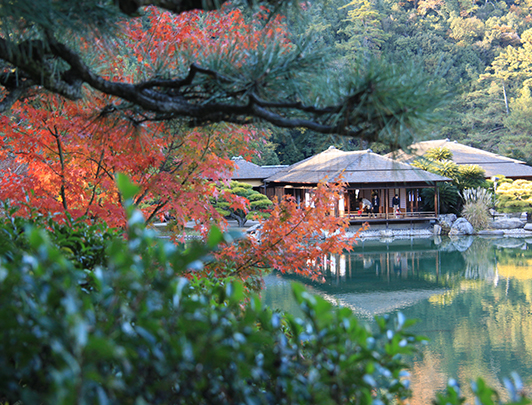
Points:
x=258, y=68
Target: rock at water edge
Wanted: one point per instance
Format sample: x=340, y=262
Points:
x=462, y=227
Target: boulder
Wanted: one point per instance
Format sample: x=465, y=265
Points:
x=254, y=228
x=461, y=227
x=255, y=231
x=528, y=227
x=437, y=229
x=446, y=222
x=507, y=223
x=449, y=218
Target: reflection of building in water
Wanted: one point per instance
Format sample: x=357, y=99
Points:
x=378, y=278
x=424, y=259
x=387, y=265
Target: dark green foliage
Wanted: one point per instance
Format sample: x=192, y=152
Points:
x=82, y=241
x=145, y=335
x=258, y=202
x=437, y=160
x=484, y=394
x=449, y=198
x=298, y=144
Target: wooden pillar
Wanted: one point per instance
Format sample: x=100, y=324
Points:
x=348, y=199
x=436, y=201
x=386, y=200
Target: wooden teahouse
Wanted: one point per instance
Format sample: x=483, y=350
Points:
x=368, y=176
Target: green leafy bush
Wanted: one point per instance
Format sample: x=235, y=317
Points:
x=142, y=334
x=145, y=335
x=257, y=202
x=81, y=240
x=514, y=196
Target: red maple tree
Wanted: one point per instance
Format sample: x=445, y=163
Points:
x=71, y=151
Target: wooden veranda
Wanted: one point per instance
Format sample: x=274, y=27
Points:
x=410, y=210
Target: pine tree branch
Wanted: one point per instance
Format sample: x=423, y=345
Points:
x=187, y=97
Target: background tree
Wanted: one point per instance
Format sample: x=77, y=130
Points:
x=240, y=202
x=439, y=161
x=363, y=30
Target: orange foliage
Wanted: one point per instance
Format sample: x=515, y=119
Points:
x=72, y=154
x=293, y=239
x=71, y=151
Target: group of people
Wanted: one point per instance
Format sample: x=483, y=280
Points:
x=372, y=207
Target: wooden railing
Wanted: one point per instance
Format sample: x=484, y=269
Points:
x=390, y=215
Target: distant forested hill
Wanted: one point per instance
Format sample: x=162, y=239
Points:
x=480, y=51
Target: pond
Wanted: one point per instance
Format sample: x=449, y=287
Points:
x=472, y=297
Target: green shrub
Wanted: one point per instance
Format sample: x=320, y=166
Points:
x=514, y=196
x=81, y=240
x=143, y=334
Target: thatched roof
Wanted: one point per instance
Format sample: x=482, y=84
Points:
x=245, y=170
x=492, y=163
x=358, y=167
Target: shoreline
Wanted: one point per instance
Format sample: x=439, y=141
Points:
x=428, y=233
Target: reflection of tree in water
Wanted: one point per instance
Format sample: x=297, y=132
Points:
x=427, y=378
x=481, y=261
x=478, y=327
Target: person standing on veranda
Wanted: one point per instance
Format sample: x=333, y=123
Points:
x=375, y=201
x=396, y=204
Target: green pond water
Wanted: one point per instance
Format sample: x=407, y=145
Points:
x=472, y=297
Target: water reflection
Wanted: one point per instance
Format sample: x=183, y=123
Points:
x=473, y=298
